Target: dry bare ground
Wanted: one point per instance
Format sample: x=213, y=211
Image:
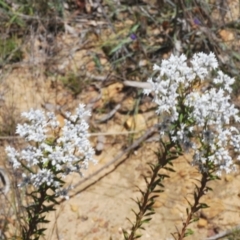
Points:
x=102, y=201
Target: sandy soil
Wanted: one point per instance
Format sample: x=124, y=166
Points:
x=99, y=207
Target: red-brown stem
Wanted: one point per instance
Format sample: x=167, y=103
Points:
x=150, y=188
x=194, y=208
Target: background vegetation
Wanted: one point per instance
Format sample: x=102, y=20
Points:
x=121, y=41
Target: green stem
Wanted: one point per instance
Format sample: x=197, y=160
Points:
x=196, y=206
x=34, y=214
x=144, y=204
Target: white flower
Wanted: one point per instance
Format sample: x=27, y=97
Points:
x=31, y=155
x=34, y=130
x=52, y=120
x=224, y=80
x=82, y=113
x=47, y=158
x=43, y=176
x=57, y=157
x=202, y=63
x=63, y=192
x=45, y=148
x=13, y=156
x=26, y=180
x=204, y=116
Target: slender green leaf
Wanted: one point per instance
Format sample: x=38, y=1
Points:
x=188, y=232
x=120, y=45
x=134, y=28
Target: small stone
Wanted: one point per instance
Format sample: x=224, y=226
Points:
x=156, y=31
x=103, y=61
x=112, y=92
x=126, y=104
x=74, y=207
x=182, y=173
x=202, y=223
x=136, y=122
x=228, y=178
x=157, y=204
x=143, y=63
x=226, y=35
x=103, y=224
x=216, y=209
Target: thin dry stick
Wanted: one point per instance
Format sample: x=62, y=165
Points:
x=5, y=183
x=224, y=233
x=91, y=134
x=147, y=134
x=10, y=137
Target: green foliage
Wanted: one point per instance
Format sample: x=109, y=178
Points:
x=74, y=82
x=120, y=52
x=189, y=232
x=10, y=50
x=17, y=17
x=41, y=7
x=235, y=235
x=154, y=187
x=9, y=120
x=36, y=212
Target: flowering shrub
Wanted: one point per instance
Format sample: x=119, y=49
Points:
x=204, y=116
x=194, y=118
x=51, y=154
x=197, y=120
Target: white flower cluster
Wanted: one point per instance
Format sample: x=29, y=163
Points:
x=204, y=117
x=52, y=151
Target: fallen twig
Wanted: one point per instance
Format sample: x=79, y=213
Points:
x=224, y=233
x=146, y=135
x=5, y=183
x=128, y=83
x=109, y=115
